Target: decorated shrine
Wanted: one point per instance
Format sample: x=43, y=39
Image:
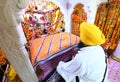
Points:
x=35, y=35
x=42, y=17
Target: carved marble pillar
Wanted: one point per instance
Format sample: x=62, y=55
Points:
x=12, y=38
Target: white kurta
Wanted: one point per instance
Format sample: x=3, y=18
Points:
x=88, y=64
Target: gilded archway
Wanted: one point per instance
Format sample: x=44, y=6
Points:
x=79, y=15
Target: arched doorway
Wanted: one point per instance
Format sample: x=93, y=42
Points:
x=79, y=15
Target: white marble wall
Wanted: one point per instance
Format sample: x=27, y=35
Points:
x=117, y=51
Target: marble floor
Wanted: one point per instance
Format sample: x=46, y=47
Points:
x=114, y=71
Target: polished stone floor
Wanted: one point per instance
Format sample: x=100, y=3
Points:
x=114, y=71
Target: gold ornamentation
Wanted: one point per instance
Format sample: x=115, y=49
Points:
x=115, y=58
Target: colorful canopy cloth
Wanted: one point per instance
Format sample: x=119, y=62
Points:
x=108, y=19
x=48, y=46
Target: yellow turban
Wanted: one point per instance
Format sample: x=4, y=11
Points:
x=90, y=34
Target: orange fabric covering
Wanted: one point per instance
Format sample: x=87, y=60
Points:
x=50, y=44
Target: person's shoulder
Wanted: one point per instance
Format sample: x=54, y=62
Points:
x=80, y=54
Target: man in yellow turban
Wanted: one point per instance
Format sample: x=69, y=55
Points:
x=90, y=63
